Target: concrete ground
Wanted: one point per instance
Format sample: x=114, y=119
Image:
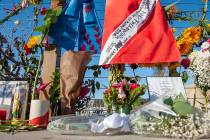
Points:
x=45, y=135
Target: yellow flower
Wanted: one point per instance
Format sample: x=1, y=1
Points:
x=34, y=40
x=209, y=25
x=193, y=34
x=189, y=37
x=184, y=46
x=187, y=32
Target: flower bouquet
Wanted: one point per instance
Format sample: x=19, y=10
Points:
x=187, y=122
x=123, y=96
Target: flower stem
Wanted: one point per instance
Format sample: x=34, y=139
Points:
x=37, y=74
x=206, y=103
x=11, y=14
x=205, y=11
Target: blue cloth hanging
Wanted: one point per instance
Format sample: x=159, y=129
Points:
x=77, y=26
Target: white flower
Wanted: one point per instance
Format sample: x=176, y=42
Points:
x=24, y=3
x=205, y=45
x=121, y=96
x=200, y=66
x=17, y=22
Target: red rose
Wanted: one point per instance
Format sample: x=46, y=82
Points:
x=27, y=50
x=185, y=63
x=208, y=41
x=43, y=11
x=134, y=86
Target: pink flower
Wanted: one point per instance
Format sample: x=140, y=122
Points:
x=115, y=85
x=121, y=96
x=45, y=42
x=208, y=41
x=42, y=87
x=185, y=63
x=122, y=83
x=84, y=91
x=134, y=86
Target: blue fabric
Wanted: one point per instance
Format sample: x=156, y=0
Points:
x=77, y=26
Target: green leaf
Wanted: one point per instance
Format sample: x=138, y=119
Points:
x=182, y=108
x=168, y=101
x=39, y=28
x=185, y=77
x=180, y=98
x=58, y=12
x=97, y=85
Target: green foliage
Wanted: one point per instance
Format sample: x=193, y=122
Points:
x=185, y=77
x=55, y=87
x=182, y=108
x=97, y=85
x=124, y=95
x=179, y=105
x=169, y=101
x=50, y=18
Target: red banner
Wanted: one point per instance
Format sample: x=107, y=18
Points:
x=136, y=31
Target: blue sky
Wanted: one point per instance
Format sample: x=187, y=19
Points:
x=26, y=18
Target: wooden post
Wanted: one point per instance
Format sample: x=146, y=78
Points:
x=51, y=58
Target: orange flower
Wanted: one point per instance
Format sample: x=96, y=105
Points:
x=33, y=41
x=192, y=34
x=107, y=92
x=184, y=46
x=189, y=37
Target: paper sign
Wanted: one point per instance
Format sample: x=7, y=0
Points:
x=166, y=86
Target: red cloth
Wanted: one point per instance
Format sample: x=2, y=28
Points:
x=3, y=114
x=154, y=42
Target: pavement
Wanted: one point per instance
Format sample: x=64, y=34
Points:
x=45, y=135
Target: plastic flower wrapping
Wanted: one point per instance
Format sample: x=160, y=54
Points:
x=200, y=65
x=187, y=122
